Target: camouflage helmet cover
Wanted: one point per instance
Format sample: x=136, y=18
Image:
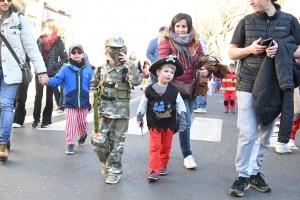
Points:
x=114, y=42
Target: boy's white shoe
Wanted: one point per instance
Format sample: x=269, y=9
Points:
x=189, y=162
x=282, y=148
x=292, y=145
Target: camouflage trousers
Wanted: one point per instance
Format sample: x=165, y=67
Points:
x=108, y=144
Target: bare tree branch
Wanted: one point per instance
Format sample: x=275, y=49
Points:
x=217, y=19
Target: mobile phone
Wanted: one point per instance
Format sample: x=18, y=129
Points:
x=267, y=42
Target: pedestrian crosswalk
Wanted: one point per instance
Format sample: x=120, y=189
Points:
x=206, y=129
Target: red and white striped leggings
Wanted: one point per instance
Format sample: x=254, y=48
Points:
x=75, y=119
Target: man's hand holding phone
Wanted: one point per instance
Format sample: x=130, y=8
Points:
x=272, y=47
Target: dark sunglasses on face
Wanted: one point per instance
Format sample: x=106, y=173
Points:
x=7, y=0
x=74, y=52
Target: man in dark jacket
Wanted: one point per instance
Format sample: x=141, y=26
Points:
x=267, y=21
x=152, y=52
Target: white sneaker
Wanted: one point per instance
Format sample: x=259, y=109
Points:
x=200, y=110
x=292, y=145
x=15, y=125
x=189, y=162
x=282, y=148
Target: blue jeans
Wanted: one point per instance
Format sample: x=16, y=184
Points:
x=7, y=98
x=184, y=137
x=200, y=102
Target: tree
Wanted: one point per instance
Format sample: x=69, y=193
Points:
x=215, y=20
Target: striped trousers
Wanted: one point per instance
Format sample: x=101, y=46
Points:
x=75, y=120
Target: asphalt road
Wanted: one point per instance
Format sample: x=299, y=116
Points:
x=38, y=168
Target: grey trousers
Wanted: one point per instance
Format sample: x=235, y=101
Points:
x=253, y=139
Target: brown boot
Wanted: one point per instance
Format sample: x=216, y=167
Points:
x=3, y=151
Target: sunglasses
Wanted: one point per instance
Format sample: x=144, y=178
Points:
x=75, y=52
x=6, y=0
x=116, y=49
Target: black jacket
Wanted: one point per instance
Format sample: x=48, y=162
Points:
x=57, y=56
x=258, y=25
x=274, y=85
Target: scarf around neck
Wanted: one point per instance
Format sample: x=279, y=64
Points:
x=184, y=45
x=77, y=64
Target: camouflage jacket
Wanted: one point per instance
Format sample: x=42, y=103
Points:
x=113, y=76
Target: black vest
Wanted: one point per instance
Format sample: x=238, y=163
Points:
x=260, y=25
x=161, y=110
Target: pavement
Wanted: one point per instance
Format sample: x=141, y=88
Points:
x=38, y=168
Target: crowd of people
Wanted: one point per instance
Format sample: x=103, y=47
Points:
x=173, y=58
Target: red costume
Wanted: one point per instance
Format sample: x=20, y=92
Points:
x=229, y=86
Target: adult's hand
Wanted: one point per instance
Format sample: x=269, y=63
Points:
x=271, y=51
x=256, y=48
x=43, y=79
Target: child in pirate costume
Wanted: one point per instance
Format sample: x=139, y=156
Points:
x=161, y=101
x=111, y=84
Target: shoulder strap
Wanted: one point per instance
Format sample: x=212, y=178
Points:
x=20, y=24
x=11, y=50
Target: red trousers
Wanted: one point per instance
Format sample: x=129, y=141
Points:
x=229, y=99
x=295, y=127
x=159, y=149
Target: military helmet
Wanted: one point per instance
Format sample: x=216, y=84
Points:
x=114, y=42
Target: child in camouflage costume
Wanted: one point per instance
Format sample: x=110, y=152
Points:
x=112, y=84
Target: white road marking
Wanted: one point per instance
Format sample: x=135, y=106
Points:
x=133, y=128
x=29, y=118
x=207, y=129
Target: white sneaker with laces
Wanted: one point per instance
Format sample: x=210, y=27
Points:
x=292, y=145
x=200, y=110
x=282, y=148
x=189, y=162
x=15, y=125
